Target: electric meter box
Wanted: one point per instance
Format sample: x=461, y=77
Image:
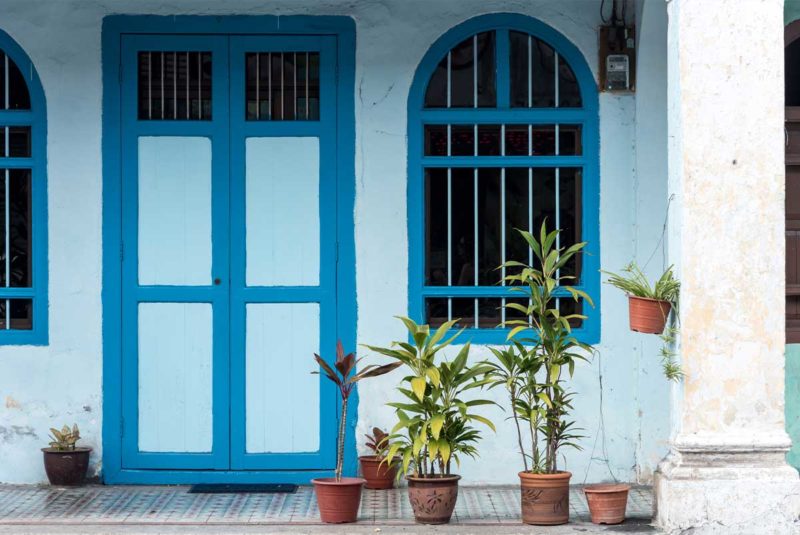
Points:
x=618, y=72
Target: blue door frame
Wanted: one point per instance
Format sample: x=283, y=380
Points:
x=228, y=461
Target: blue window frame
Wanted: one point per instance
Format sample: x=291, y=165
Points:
x=23, y=199
x=503, y=134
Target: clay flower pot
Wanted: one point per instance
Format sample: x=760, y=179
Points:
x=545, y=498
x=66, y=468
x=338, y=501
x=607, y=502
x=433, y=498
x=378, y=475
x=648, y=315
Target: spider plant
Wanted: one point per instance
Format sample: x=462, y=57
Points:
x=634, y=282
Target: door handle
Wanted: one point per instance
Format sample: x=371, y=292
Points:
x=217, y=282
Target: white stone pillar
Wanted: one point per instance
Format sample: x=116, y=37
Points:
x=726, y=472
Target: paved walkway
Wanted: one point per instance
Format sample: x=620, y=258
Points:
x=137, y=509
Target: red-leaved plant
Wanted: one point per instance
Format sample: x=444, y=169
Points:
x=346, y=380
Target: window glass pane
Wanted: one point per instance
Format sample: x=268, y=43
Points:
x=463, y=227
x=462, y=140
x=489, y=140
x=543, y=65
x=436, y=94
x=512, y=314
x=19, y=141
x=313, y=86
x=436, y=227
x=435, y=311
x=569, y=140
x=464, y=310
x=569, y=94
x=489, y=223
x=18, y=96
x=174, y=85
x=518, y=64
x=435, y=140
x=252, y=87
x=570, y=184
x=516, y=213
x=568, y=306
x=19, y=229
x=489, y=309
x=289, y=87
x=516, y=140
x=2, y=80
x=462, y=77
x=20, y=314
x=544, y=197
x=543, y=139
x=487, y=93
x=276, y=93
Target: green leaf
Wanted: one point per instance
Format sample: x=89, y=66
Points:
x=418, y=386
x=436, y=425
x=555, y=370
x=433, y=375
x=483, y=420
x=444, y=451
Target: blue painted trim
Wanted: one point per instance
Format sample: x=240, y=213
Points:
x=37, y=119
x=114, y=27
x=588, y=115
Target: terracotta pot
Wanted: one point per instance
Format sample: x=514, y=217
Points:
x=66, y=468
x=648, y=315
x=338, y=501
x=433, y=498
x=607, y=502
x=545, y=498
x=378, y=475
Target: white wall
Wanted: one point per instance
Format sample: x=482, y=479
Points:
x=62, y=382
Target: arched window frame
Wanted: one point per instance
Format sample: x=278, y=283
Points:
x=36, y=118
x=587, y=115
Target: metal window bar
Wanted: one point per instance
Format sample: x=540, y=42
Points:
x=307, y=69
x=503, y=222
x=475, y=71
x=200, y=85
x=7, y=238
x=449, y=79
x=162, y=86
x=188, y=105
x=449, y=225
x=530, y=71
x=149, y=85
x=174, y=85
x=258, y=86
x=283, y=88
x=269, y=84
x=294, y=87
x=6, y=83
x=555, y=75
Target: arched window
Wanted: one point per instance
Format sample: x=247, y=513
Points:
x=503, y=134
x=23, y=189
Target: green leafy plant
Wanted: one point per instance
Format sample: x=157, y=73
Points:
x=65, y=439
x=542, y=353
x=634, y=282
x=345, y=379
x=435, y=420
x=378, y=442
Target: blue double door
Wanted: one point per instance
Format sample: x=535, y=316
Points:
x=229, y=258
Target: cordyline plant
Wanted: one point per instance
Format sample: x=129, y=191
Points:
x=378, y=442
x=534, y=367
x=346, y=380
x=435, y=420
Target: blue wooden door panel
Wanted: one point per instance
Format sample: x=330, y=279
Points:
x=193, y=300
x=317, y=289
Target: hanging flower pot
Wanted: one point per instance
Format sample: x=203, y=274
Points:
x=648, y=315
x=340, y=500
x=433, y=498
x=607, y=503
x=545, y=498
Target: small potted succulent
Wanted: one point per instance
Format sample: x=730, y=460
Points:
x=648, y=305
x=379, y=471
x=64, y=462
x=339, y=497
x=534, y=370
x=435, y=418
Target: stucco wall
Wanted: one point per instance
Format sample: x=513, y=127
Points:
x=626, y=421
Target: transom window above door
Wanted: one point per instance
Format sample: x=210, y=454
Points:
x=502, y=136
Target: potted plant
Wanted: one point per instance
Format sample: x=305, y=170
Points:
x=64, y=462
x=435, y=420
x=534, y=370
x=379, y=471
x=648, y=305
x=339, y=497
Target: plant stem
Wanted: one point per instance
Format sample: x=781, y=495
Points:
x=340, y=442
x=519, y=431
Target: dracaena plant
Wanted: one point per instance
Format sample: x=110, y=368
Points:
x=437, y=415
x=542, y=354
x=344, y=375
x=378, y=441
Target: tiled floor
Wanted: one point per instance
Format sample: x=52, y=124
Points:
x=124, y=505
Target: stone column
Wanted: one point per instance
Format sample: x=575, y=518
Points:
x=726, y=472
